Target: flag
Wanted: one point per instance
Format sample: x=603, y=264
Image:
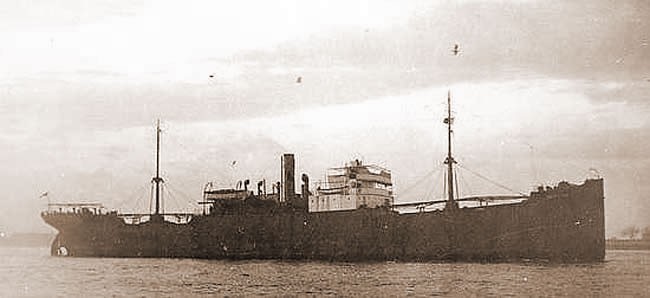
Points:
x=43, y=195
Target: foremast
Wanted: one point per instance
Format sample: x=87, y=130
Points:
x=157, y=180
x=451, y=203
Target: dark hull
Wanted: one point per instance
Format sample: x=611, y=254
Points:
x=565, y=227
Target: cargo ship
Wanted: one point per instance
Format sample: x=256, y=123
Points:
x=351, y=216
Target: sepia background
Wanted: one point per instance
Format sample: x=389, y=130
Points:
x=542, y=91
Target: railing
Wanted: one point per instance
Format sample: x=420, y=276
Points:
x=466, y=199
x=139, y=218
x=76, y=208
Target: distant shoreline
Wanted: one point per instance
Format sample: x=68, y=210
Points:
x=627, y=244
x=27, y=240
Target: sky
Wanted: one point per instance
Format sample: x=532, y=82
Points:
x=542, y=91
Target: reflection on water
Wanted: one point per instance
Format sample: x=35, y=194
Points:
x=32, y=272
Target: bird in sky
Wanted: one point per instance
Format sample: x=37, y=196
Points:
x=456, y=49
x=298, y=80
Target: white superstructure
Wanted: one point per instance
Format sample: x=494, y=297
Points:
x=351, y=187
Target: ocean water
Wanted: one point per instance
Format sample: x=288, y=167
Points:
x=32, y=272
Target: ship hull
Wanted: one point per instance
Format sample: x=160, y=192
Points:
x=565, y=227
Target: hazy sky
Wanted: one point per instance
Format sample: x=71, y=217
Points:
x=542, y=92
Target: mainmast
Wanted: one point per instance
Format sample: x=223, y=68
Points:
x=449, y=161
x=157, y=179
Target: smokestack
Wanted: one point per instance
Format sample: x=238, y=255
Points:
x=287, y=178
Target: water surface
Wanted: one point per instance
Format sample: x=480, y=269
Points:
x=32, y=272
